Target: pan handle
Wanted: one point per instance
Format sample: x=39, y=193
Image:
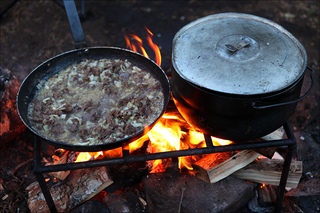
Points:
x=75, y=24
x=255, y=105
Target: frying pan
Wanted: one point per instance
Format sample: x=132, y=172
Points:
x=54, y=65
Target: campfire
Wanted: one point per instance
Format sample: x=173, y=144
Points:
x=171, y=134
x=135, y=43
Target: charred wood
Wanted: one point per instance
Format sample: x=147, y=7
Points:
x=80, y=186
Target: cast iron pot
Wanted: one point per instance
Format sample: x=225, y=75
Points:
x=236, y=76
x=52, y=66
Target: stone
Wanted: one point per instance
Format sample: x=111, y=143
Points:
x=175, y=192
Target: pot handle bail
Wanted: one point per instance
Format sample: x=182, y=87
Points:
x=75, y=24
x=256, y=106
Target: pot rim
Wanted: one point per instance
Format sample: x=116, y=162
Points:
x=265, y=75
x=246, y=97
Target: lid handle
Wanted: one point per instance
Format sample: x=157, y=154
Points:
x=236, y=47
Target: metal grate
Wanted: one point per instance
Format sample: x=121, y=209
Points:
x=289, y=142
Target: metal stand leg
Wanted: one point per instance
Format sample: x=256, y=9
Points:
x=284, y=177
x=46, y=192
x=40, y=178
x=286, y=168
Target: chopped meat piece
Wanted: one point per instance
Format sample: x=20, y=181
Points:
x=95, y=71
x=129, y=129
x=57, y=130
x=73, y=127
x=67, y=108
x=86, y=106
x=37, y=105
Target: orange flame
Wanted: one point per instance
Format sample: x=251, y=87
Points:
x=135, y=43
x=219, y=141
x=167, y=135
x=263, y=185
x=164, y=136
x=86, y=156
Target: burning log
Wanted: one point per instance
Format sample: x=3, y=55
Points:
x=10, y=123
x=61, y=175
x=267, y=151
x=269, y=171
x=80, y=186
x=214, y=167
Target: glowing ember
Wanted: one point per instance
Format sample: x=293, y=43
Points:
x=135, y=43
x=113, y=153
x=263, y=185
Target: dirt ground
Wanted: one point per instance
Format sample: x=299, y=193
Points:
x=34, y=31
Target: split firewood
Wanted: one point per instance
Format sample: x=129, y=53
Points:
x=80, y=186
x=214, y=167
x=269, y=171
x=61, y=156
x=276, y=135
x=61, y=175
x=269, y=151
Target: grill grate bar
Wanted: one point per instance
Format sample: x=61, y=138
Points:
x=289, y=142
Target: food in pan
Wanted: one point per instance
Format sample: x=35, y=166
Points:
x=96, y=102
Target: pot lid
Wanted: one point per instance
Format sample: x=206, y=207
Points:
x=238, y=54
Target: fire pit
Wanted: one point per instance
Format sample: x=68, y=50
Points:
x=134, y=160
x=127, y=158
